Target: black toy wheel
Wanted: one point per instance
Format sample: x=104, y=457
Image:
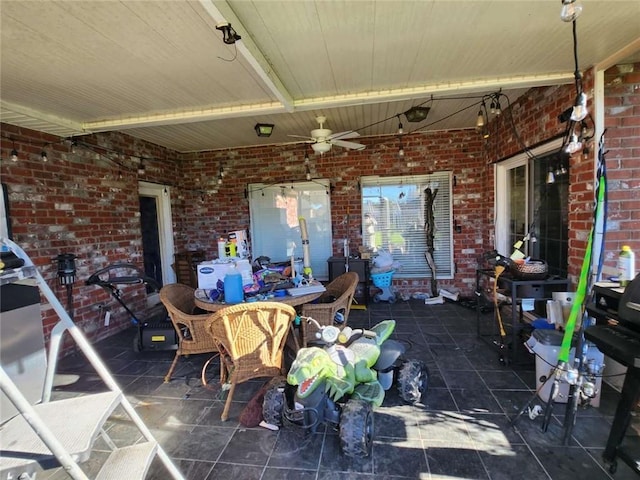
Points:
x=412, y=381
x=273, y=405
x=356, y=428
x=376, y=298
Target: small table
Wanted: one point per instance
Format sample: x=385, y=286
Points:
x=293, y=301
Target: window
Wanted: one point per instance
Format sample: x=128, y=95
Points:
x=393, y=219
x=275, y=211
x=532, y=197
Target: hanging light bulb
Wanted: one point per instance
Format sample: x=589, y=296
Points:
x=308, y=173
x=221, y=171
x=550, y=177
x=400, y=127
x=557, y=171
x=306, y=157
x=574, y=145
x=401, y=151
x=563, y=170
x=571, y=9
x=492, y=107
x=579, y=111
x=219, y=181
x=485, y=132
x=141, y=167
x=498, y=107
x=14, y=155
x=480, y=120
x=43, y=156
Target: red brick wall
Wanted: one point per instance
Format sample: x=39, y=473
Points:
x=86, y=202
x=208, y=216
x=622, y=120
x=83, y=202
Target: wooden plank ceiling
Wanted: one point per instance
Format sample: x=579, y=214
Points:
x=159, y=70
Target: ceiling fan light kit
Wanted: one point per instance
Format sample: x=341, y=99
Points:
x=321, y=147
x=417, y=114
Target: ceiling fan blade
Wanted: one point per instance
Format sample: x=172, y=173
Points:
x=343, y=135
x=350, y=145
x=302, y=136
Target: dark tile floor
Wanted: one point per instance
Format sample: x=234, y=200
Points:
x=460, y=430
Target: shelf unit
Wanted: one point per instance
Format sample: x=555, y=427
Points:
x=340, y=265
x=517, y=290
x=44, y=433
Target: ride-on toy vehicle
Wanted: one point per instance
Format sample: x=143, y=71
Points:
x=341, y=382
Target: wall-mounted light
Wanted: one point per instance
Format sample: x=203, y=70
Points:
x=264, y=129
x=417, y=114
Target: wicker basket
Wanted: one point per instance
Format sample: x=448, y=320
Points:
x=382, y=279
x=532, y=270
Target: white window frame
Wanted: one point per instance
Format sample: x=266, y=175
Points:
x=275, y=233
x=418, y=267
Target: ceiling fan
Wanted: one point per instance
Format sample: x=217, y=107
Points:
x=322, y=139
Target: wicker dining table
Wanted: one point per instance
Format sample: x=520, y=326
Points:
x=204, y=303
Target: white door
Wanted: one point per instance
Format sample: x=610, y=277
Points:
x=155, y=206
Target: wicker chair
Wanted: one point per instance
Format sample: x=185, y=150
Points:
x=250, y=338
x=192, y=336
x=337, y=298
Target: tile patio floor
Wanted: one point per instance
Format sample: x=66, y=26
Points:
x=460, y=430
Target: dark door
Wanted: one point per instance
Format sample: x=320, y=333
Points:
x=150, y=238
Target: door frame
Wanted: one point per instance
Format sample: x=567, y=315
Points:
x=162, y=195
x=501, y=205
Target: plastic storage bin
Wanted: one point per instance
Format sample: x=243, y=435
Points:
x=545, y=344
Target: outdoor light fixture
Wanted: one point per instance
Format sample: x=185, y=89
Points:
x=14, y=155
x=480, y=120
x=141, y=167
x=417, y=114
x=229, y=35
x=264, y=129
x=43, y=156
x=571, y=9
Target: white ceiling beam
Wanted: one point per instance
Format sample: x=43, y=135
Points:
x=363, y=98
x=221, y=12
x=185, y=116
x=64, y=123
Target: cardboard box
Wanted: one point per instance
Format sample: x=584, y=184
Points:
x=210, y=272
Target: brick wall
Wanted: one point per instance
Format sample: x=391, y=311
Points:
x=83, y=201
x=622, y=120
x=210, y=215
x=86, y=202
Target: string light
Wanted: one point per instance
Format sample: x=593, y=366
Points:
x=43, y=156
